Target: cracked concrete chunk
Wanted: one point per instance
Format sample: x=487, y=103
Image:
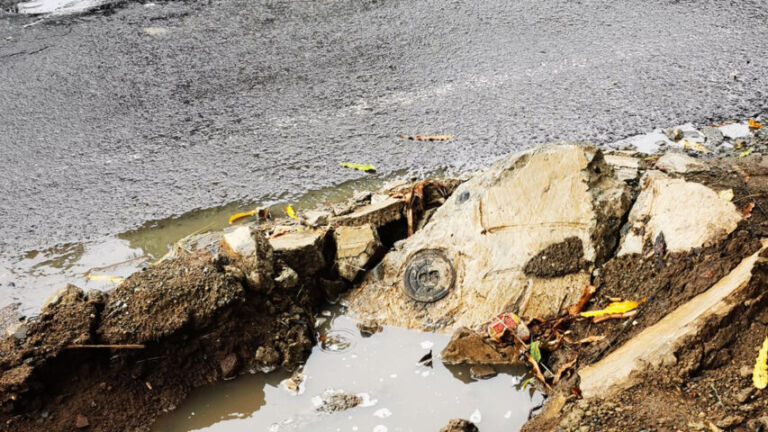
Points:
x=689, y=214
x=657, y=344
x=489, y=228
x=251, y=252
x=301, y=250
x=379, y=213
x=355, y=246
x=678, y=163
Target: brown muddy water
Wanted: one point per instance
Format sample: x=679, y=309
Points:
x=399, y=394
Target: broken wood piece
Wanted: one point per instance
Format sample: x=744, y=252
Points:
x=106, y=346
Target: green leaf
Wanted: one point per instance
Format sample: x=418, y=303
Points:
x=359, y=167
x=746, y=152
x=535, y=351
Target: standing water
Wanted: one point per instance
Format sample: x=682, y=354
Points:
x=397, y=393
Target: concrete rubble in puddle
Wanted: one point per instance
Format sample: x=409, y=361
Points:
x=491, y=227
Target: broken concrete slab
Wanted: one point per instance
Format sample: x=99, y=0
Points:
x=688, y=214
x=469, y=260
x=673, y=162
x=248, y=248
x=656, y=345
x=301, y=250
x=355, y=247
x=625, y=166
x=379, y=213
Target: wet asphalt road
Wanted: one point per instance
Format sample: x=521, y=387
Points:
x=104, y=126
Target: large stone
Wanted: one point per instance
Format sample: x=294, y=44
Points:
x=469, y=347
x=672, y=162
x=688, y=214
x=249, y=249
x=467, y=264
x=459, y=425
x=301, y=250
x=656, y=345
x=355, y=247
x=378, y=213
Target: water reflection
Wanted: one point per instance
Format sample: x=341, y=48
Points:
x=401, y=394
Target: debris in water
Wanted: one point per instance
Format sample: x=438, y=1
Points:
x=360, y=167
x=426, y=359
x=262, y=213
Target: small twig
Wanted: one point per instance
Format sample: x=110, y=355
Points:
x=107, y=346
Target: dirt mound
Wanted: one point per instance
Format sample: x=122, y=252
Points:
x=176, y=326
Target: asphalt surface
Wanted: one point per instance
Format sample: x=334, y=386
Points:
x=105, y=125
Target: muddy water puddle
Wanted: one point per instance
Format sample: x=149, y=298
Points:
x=29, y=278
x=397, y=393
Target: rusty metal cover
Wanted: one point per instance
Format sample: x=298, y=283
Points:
x=429, y=276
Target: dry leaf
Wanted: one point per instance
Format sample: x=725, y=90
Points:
x=746, y=152
x=562, y=370
x=427, y=137
x=760, y=373
x=747, y=210
x=575, y=309
x=614, y=308
x=753, y=124
x=591, y=339
x=602, y=318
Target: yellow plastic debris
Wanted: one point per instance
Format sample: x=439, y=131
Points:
x=291, y=214
x=237, y=216
x=760, y=373
x=359, y=167
x=613, y=308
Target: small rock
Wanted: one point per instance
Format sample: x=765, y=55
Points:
x=17, y=330
x=742, y=142
x=369, y=327
x=316, y=218
x=744, y=394
x=714, y=137
x=758, y=424
x=335, y=401
x=64, y=295
x=459, y=425
x=229, y=365
x=675, y=134
x=672, y=162
x=81, y=421
x=302, y=251
x=287, y=278
x=267, y=358
x=745, y=372
x=479, y=372
x=355, y=247
x=730, y=421
x=469, y=347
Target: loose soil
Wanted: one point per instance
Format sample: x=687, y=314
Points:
x=198, y=324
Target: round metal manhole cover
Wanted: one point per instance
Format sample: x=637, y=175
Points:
x=429, y=276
